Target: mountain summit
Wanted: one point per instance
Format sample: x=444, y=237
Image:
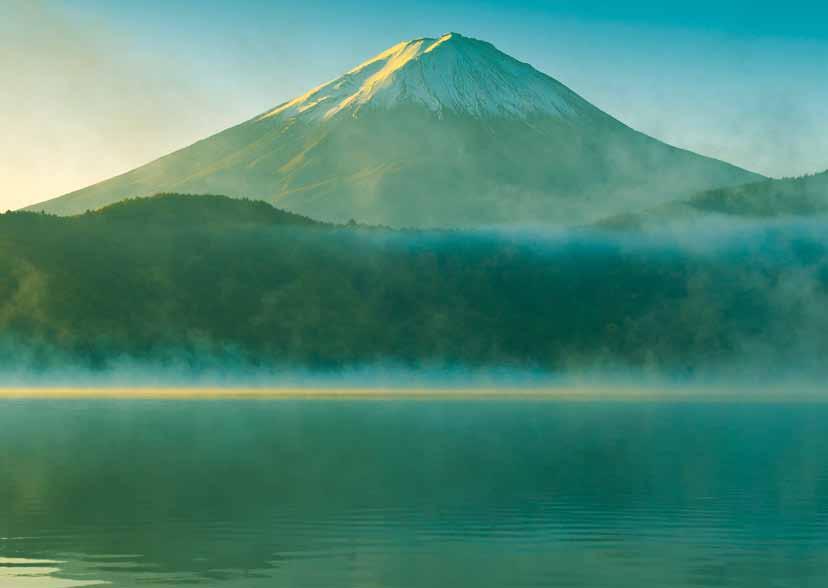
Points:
x=450, y=74
x=434, y=132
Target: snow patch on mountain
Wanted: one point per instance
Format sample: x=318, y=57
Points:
x=452, y=73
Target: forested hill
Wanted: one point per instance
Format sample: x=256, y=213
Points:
x=186, y=278
x=802, y=197
x=180, y=211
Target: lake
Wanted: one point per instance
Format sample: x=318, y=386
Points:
x=413, y=492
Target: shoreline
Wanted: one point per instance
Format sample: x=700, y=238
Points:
x=564, y=393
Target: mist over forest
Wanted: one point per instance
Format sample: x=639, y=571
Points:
x=197, y=284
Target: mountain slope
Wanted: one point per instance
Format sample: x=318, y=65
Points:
x=788, y=198
x=432, y=132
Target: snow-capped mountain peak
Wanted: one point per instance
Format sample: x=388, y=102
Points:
x=450, y=73
x=445, y=132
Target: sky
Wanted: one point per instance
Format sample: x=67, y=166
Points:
x=93, y=88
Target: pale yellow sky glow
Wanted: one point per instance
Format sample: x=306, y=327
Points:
x=79, y=106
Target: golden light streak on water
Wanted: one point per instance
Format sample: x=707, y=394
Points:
x=568, y=393
x=35, y=573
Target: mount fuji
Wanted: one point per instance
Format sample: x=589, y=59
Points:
x=434, y=132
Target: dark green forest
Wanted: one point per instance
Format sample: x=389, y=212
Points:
x=182, y=278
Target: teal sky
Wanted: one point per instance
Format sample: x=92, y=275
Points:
x=92, y=88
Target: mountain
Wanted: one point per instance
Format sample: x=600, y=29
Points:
x=204, y=281
x=785, y=199
x=430, y=133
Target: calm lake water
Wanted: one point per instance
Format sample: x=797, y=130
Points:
x=412, y=492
